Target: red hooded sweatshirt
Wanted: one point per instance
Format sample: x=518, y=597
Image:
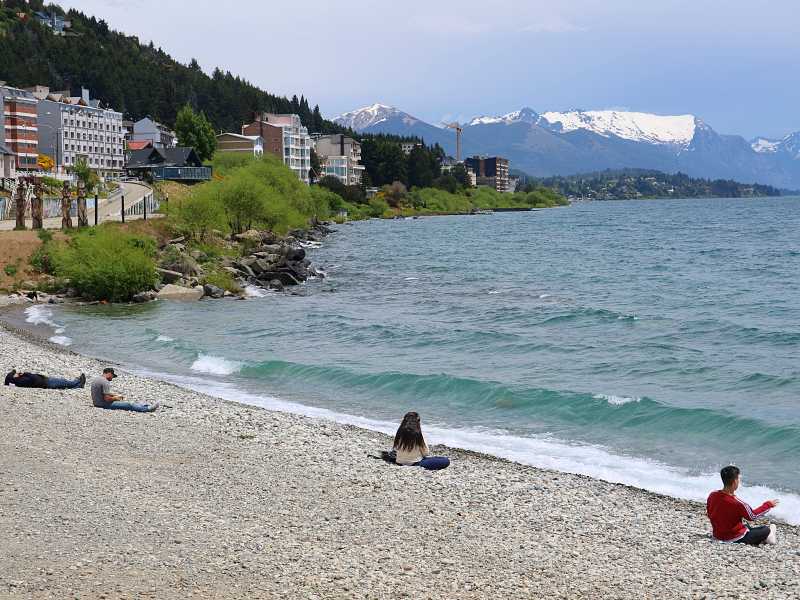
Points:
x=726, y=512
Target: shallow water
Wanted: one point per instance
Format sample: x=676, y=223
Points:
x=642, y=342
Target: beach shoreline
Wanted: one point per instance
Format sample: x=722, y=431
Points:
x=236, y=501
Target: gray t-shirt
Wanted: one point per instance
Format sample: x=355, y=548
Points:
x=100, y=387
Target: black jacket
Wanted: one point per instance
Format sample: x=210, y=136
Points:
x=27, y=380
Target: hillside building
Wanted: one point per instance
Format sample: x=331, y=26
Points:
x=78, y=127
x=8, y=163
x=19, y=129
x=160, y=136
x=286, y=137
x=339, y=156
x=490, y=172
x=235, y=142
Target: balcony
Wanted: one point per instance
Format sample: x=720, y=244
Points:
x=181, y=173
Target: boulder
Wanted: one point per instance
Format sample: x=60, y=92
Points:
x=276, y=284
x=295, y=254
x=168, y=276
x=270, y=248
x=283, y=277
x=213, y=291
x=261, y=265
x=142, y=297
x=184, y=264
x=198, y=255
x=251, y=235
x=176, y=292
x=267, y=237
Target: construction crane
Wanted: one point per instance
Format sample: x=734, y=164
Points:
x=458, y=129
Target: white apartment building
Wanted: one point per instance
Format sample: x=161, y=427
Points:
x=285, y=136
x=340, y=157
x=75, y=127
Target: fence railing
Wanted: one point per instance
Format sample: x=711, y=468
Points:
x=149, y=202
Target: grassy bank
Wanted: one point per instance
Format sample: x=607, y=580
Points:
x=114, y=262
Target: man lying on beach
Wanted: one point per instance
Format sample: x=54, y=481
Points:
x=726, y=511
x=36, y=380
x=103, y=397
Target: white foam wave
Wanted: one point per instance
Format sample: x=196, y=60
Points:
x=164, y=338
x=40, y=314
x=215, y=365
x=311, y=244
x=494, y=291
x=253, y=291
x=411, y=279
x=61, y=340
x=616, y=400
x=543, y=296
x=543, y=452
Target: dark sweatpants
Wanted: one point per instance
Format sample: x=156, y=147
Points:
x=755, y=535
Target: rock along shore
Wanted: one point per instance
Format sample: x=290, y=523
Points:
x=213, y=499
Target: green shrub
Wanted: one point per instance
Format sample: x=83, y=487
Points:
x=105, y=263
x=222, y=279
x=10, y=270
x=45, y=235
x=377, y=207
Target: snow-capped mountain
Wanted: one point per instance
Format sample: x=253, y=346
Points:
x=580, y=141
x=765, y=145
x=636, y=126
x=524, y=115
x=374, y=114
x=790, y=145
x=380, y=118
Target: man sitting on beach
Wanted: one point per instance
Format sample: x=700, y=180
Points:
x=36, y=380
x=726, y=511
x=103, y=397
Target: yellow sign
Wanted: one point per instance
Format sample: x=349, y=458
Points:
x=45, y=163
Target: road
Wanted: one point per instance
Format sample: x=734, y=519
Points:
x=110, y=210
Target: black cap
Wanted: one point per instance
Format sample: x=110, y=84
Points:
x=109, y=370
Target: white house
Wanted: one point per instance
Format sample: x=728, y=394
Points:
x=235, y=142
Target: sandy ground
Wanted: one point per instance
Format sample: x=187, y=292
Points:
x=212, y=499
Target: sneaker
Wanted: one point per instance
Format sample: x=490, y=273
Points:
x=772, y=537
x=82, y=379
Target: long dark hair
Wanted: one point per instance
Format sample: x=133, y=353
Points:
x=409, y=434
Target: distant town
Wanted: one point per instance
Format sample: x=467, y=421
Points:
x=51, y=131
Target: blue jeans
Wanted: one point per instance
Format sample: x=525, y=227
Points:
x=433, y=463
x=59, y=383
x=119, y=405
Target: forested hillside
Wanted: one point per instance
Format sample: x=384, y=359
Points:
x=137, y=79
x=629, y=184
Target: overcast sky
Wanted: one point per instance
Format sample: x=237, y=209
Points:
x=734, y=63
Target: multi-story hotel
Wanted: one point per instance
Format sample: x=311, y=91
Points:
x=339, y=157
x=490, y=172
x=75, y=127
x=284, y=136
x=19, y=126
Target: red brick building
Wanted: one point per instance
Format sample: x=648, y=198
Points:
x=19, y=129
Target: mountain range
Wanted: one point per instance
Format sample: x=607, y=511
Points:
x=579, y=141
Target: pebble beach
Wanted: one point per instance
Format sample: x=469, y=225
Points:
x=212, y=499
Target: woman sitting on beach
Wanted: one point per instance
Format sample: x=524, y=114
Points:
x=410, y=447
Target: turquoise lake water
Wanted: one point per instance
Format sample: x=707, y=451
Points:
x=643, y=342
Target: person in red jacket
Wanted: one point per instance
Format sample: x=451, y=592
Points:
x=726, y=511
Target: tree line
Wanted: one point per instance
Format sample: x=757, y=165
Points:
x=137, y=79
x=628, y=184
